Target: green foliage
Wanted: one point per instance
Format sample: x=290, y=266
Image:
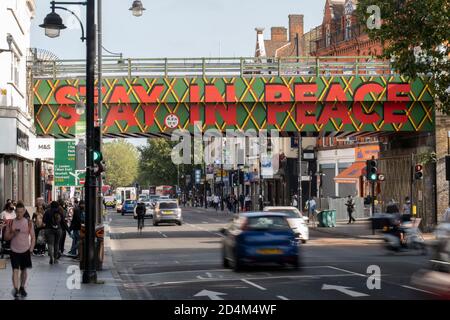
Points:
x=121, y=159
x=156, y=166
x=415, y=35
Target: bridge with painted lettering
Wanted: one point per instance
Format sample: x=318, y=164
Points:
x=152, y=97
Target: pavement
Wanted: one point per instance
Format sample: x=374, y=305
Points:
x=170, y=262
x=62, y=281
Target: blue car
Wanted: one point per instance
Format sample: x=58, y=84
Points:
x=128, y=206
x=259, y=237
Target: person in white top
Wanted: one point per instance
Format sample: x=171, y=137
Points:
x=7, y=214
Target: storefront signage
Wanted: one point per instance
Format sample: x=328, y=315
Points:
x=23, y=140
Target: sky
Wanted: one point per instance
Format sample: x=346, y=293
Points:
x=177, y=28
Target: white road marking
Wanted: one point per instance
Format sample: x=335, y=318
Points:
x=417, y=289
x=344, y=290
x=348, y=271
x=282, y=298
x=253, y=284
x=213, y=295
x=204, y=221
x=162, y=234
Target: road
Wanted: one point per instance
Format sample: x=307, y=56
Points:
x=170, y=262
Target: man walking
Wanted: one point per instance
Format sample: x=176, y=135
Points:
x=75, y=228
x=52, y=223
x=20, y=232
x=350, y=208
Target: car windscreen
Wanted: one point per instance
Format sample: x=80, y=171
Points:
x=130, y=202
x=291, y=213
x=168, y=205
x=267, y=223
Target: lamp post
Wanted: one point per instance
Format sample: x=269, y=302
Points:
x=53, y=25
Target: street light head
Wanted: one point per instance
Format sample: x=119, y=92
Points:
x=80, y=107
x=53, y=24
x=137, y=8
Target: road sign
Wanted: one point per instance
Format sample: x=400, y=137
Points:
x=64, y=165
x=171, y=121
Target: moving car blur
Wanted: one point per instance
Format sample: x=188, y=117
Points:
x=259, y=237
x=297, y=221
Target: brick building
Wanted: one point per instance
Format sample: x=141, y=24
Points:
x=341, y=34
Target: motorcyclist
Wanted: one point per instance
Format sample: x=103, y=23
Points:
x=396, y=221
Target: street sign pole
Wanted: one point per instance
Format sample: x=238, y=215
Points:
x=89, y=272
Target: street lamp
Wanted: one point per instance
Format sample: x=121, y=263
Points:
x=137, y=8
x=53, y=23
x=9, y=40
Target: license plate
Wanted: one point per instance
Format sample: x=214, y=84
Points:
x=269, y=251
x=167, y=212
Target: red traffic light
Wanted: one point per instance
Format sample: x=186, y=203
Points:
x=418, y=167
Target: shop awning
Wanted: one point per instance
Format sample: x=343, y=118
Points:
x=351, y=174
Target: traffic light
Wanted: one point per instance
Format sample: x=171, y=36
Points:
x=235, y=179
x=372, y=170
x=418, y=172
x=99, y=164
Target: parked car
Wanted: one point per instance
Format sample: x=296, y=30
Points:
x=297, y=221
x=167, y=212
x=259, y=237
x=148, y=210
x=128, y=206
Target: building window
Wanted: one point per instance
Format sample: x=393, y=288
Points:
x=15, y=72
x=348, y=28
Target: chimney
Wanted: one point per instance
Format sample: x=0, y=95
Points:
x=278, y=34
x=295, y=26
x=260, y=46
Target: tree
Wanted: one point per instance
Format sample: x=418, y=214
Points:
x=415, y=36
x=121, y=159
x=156, y=166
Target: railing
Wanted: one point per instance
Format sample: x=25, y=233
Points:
x=215, y=67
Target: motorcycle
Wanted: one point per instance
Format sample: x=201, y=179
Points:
x=412, y=237
x=440, y=257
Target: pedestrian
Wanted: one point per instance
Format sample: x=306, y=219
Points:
x=39, y=230
x=406, y=210
x=216, y=201
x=241, y=201
x=75, y=228
x=294, y=200
x=140, y=212
x=248, y=202
x=350, y=208
x=235, y=204
x=7, y=214
x=311, y=206
x=64, y=227
x=20, y=232
x=52, y=224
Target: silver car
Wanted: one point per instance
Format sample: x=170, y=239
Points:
x=167, y=212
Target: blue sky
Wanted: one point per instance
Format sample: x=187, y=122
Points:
x=177, y=28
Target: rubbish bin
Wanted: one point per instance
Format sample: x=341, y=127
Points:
x=327, y=218
x=99, y=246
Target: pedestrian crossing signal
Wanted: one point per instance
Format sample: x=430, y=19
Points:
x=418, y=172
